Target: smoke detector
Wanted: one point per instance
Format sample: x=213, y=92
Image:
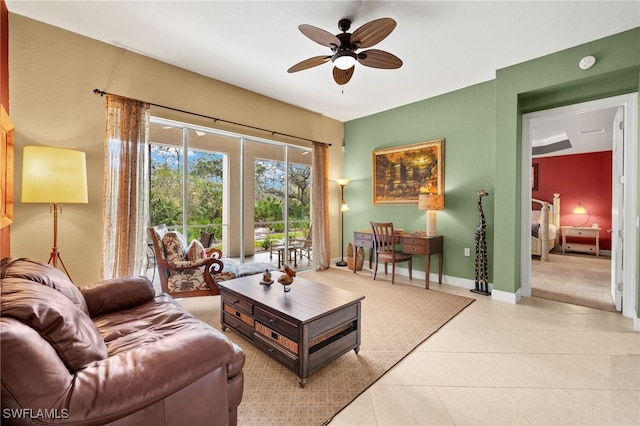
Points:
x=587, y=62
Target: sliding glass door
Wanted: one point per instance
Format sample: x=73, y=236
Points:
x=248, y=194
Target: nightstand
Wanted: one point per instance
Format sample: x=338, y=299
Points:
x=585, y=234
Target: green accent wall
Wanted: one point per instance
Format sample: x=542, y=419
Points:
x=481, y=126
x=466, y=120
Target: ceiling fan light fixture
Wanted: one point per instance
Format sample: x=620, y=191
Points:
x=344, y=60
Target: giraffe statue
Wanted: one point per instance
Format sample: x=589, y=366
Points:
x=482, y=276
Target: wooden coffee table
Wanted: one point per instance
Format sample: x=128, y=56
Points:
x=304, y=329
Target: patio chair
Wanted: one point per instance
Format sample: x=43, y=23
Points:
x=305, y=245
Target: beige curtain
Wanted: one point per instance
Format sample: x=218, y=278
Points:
x=320, y=203
x=126, y=204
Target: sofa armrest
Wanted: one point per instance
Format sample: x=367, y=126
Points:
x=117, y=294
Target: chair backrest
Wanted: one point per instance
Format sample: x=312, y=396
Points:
x=309, y=238
x=384, y=236
x=206, y=238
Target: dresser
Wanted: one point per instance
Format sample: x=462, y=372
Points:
x=411, y=244
x=587, y=239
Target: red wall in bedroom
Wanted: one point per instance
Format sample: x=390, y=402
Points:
x=584, y=178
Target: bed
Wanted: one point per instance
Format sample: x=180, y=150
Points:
x=545, y=224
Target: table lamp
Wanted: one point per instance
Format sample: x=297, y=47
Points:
x=431, y=203
x=582, y=210
x=54, y=176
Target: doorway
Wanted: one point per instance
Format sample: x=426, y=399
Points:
x=624, y=196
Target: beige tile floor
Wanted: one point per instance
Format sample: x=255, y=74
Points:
x=539, y=362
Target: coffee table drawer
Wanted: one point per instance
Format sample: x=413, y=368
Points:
x=239, y=326
x=276, y=323
x=284, y=357
x=237, y=302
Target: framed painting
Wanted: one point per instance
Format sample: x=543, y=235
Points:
x=6, y=167
x=401, y=174
x=534, y=177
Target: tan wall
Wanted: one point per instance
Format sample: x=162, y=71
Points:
x=52, y=75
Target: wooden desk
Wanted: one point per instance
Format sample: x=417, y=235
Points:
x=411, y=244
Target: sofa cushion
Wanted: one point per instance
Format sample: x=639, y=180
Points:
x=174, y=246
x=195, y=251
x=42, y=273
x=66, y=327
x=117, y=294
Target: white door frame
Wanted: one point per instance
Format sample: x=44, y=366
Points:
x=630, y=213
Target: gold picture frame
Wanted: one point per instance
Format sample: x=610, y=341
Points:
x=6, y=168
x=401, y=174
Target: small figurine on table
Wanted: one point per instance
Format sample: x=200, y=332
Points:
x=287, y=278
x=266, y=278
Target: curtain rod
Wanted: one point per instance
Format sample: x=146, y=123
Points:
x=273, y=132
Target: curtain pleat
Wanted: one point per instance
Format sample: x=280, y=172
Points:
x=126, y=204
x=320, y=203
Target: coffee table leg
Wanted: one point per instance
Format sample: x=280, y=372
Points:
x=302, y=382
x=356, y=349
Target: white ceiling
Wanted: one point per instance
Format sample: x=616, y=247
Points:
x=445, y=45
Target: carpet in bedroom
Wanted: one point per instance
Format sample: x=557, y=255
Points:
x=582, y=280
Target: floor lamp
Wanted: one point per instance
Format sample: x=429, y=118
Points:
x=54, y=176
x=343, y=208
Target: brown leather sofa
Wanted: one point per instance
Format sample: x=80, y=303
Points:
x=109, y=353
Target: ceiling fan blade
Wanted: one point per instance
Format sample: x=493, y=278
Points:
x=320, y=36
x=342, y=76
x=372, y=33
x=379, y=59
x=309, y=63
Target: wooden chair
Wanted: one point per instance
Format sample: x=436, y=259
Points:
x=179, y=276
x=385, y=242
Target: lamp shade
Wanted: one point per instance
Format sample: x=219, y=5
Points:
x=580, y=209
x=53, y=175
x=431, y=202
x=343, y=182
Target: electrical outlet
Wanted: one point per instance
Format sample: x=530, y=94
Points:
x=467, y=251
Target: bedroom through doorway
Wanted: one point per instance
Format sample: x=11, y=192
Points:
x=574, y=155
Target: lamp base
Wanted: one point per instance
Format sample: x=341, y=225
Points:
x=55, y=258
x=341, y=263
x=432, y=227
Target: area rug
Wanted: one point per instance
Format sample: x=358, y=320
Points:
x=395, y=320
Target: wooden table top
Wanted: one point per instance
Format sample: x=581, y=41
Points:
x=307, y=300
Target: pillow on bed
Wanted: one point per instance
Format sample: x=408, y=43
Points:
x=536, y=216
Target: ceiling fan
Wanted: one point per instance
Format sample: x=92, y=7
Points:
x=345, y=46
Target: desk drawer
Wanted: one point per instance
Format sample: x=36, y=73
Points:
x=413, y=248
x=362, y=239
